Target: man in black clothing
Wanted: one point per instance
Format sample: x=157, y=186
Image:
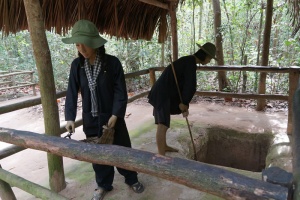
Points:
x=164, y=96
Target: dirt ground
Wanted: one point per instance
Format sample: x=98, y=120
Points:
x=32, y=164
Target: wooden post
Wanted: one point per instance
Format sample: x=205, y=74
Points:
x=296, y=143
x=293, y=83
x=204, y=177
x=172, y=10
x=152, y=76
x=6, y=193
x=42, y=56
x=33, y=87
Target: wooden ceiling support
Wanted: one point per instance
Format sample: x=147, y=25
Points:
x=173, y=16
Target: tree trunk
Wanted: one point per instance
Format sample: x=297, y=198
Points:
x=200, y=19
x=265, y=54
x=204, y=177
x=223, y=83
x=230, y=34
x=46, y=81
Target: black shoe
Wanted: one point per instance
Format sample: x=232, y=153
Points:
x=137, y=187
x=99, y=194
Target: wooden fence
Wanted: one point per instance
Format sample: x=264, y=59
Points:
x=10, y=80
x=293, y=81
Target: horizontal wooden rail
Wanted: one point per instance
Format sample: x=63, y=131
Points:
x=244, y=96
x=30, y=187
x=6, y=82
x=204, y=177
x=248, y=68
x=16, y=73
x=138, y=96
x=26, y=103
x=138, y=73
x=18, y=86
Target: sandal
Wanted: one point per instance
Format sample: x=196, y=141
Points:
x=137, y=187
x=99, y=194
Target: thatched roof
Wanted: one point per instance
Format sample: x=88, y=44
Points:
x=122, y=18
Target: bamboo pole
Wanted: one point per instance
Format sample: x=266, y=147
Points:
x=30, y=187
x=6, y=193
x=204, y=177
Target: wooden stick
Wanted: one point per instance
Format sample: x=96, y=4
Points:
x=186, y=119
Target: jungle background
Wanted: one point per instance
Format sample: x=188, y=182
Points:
x=241, y=30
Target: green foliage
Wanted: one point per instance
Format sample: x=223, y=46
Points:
x=195, y=23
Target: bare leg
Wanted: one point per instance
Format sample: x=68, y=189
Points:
x=161, y=140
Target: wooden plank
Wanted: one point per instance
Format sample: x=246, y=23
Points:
x=207, y=178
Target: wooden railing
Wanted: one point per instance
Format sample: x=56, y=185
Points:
x=12, y=83
x=293, y=81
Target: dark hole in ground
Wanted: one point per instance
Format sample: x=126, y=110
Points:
x=230, y=148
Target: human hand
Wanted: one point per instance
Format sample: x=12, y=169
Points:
x=70, y=126
x=184, y=109
x=112, y=121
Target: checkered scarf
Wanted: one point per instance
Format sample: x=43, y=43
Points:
x=92, y=74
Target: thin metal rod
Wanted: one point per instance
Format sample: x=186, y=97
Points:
x=186, y=119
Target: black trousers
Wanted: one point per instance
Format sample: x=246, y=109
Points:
x=104, y=173
x=105, y=176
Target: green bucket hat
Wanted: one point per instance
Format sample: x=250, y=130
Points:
x=85, y=32
x=209, y=48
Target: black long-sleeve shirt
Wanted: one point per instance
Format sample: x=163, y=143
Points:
x=111, y=95
x=165, y=87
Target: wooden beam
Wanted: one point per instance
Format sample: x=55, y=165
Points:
x=156, y=3
x=204, y=177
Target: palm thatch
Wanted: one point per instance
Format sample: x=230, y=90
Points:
x=121, y=18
